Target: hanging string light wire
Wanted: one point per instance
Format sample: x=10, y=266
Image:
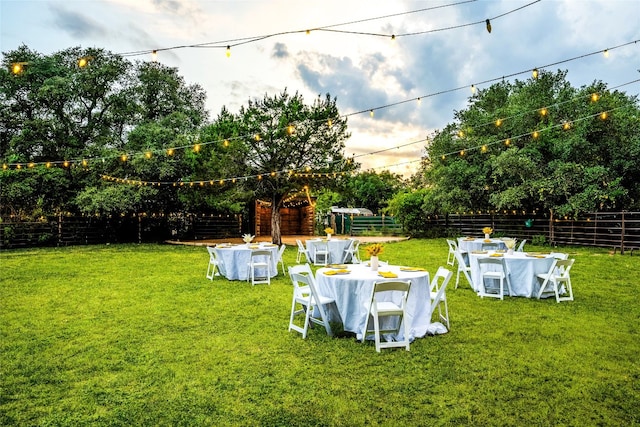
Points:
x=225, y=44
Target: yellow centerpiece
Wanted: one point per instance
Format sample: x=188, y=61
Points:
x=373, y=251
x=329, y=232
x=487, y=232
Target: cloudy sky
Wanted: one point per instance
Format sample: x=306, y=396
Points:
x=441, y=46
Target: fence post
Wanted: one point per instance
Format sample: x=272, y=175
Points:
x=622, y=236
x=59, y=229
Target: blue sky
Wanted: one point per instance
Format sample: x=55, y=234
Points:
x=363, y=71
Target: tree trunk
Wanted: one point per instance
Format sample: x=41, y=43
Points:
x=276, y=235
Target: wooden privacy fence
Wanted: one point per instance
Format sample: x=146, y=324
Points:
x=81, y=230
x=616, y=230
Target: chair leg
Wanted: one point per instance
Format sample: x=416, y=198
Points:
x=376, y=327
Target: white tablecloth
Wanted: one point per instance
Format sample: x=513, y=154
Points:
x=235, y=260
x=476, y=244
x=352, y=293
x=522, y=271
x=336, y=248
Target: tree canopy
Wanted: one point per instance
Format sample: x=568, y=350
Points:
x=538, y=144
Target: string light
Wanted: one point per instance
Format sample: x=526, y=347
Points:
x=498, y=122
x=154, y=55
x=228, y=51
x=534, y=73
x=488, y=26
x=606, y=53
x=473, y=89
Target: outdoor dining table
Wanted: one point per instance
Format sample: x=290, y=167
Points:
x=235, y=259
x=352, y=293
x=335, y=246
x=522, y=268
x=468, y=244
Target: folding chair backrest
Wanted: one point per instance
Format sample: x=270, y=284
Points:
x=440, y=279
x=490, y=246
x=261, y=253
x=303, y=269
x=491, y=261
x=439, y=296
x=521, y=245
x=563, y=266
x=460, y=259
x=559, y=255
x=398, y=285
x=212, y=253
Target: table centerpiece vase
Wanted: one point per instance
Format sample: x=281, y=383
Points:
x=374, y=263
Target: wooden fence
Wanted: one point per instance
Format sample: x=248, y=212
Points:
x=619, y=231
x=80, y=230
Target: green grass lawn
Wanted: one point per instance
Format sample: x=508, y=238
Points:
x=135, y=335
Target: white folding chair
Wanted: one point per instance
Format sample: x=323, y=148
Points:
x=280, y=257
x=306, y=294
x=438, y=294
x=260, y=260
x=302, y=251
x=213, y=269
x=462, y=268
x=559, y=255
x=501, y=274
x=453, y=247
x=490, y=246
x=351, y=253
x=377, y=309
x=321, y=253
x=558, y=275
x=521, y=245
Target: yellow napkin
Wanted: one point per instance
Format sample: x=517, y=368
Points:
x=254, y=246
x=387, y=274
x=411, y=269
x=332, y=272
x=496, y=255
x=478, y=252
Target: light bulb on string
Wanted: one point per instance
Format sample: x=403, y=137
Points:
x=154, y=55
x=147, y=154
x=595, y=97
x=606, y=53
x=543, y=112
x=228, y=51
x=507, y=142
x=604, y=115
x=498, y=122
x=534, y=73
x=488, y=26
x=371, y=113
x=473, y=89
x=535, y=134
x=226, y=143
x=566, y=125
x=170, y=152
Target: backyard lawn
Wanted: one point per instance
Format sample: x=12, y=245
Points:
x=136, y=335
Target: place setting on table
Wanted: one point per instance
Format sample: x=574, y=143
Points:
x=234, y=259
x=351, y=287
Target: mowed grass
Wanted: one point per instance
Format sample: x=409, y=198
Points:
x=135, y=335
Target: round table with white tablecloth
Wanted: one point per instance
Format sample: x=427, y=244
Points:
x=336, y=248
x=352, y=293
x=467, y=244
x=522, y=269
x=235, y=259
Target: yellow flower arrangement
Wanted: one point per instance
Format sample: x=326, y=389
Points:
x=374, y=249
x=487, y=230
x=328, y=230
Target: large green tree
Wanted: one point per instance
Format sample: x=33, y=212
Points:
x=538, y=144
x=70, y=117
x=284, y=144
